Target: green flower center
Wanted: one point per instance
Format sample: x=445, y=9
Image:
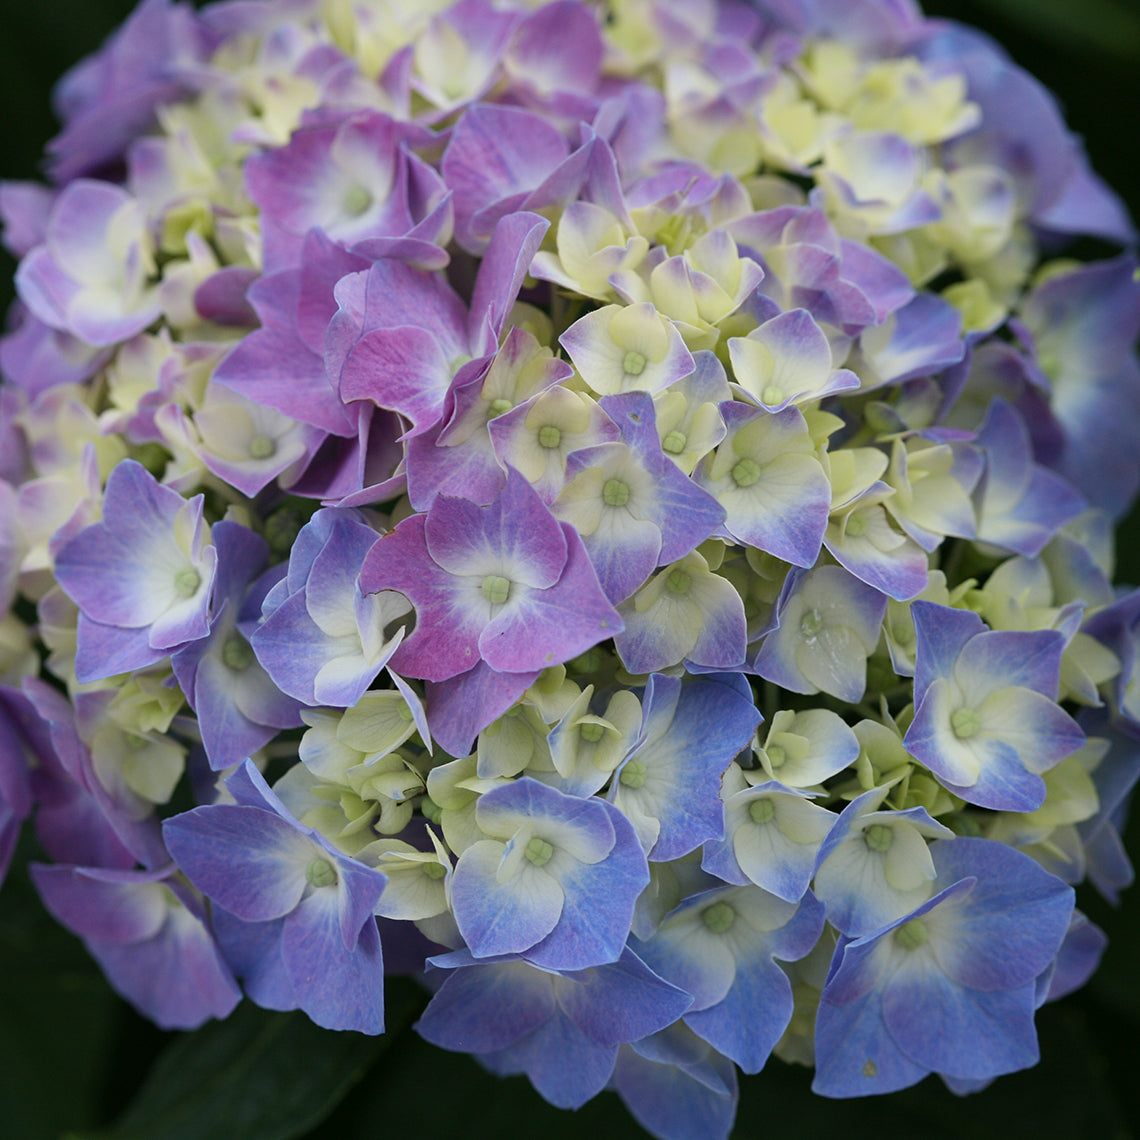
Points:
x=435, y=870
x=320, y=872
x=911, y=935
x=772, y=394
x=539, y=852
x=499, y=406
x=356, y=201
x=262, y=447
x=761, y=811
x=549, y=436
x=965, y=723
x=187, y=581
x=615, y=493
x=633, y=364
x=678, y=582
x=879, y=837
x=674, y=442
x=591, y=732
x=719, y=917
x=496, y=589
x=746, y=472
x=777, y=757
x=633, y=774
x=237, y=653
x=856, y=525
x=811, y=623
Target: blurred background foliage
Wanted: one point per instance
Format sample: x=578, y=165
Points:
x=77, y=1062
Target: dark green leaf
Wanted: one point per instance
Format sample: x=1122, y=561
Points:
x=57, y=1018
x=1102, y=26
x=419, y=1090
x=257, y=1075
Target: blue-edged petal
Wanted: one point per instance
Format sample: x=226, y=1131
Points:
x=502, y=917
x=338, y=988
x=211, y=843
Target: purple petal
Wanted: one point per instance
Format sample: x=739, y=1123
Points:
x=210, y=843
x=338, y=988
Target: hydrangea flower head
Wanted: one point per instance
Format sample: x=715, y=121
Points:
x=605, y=508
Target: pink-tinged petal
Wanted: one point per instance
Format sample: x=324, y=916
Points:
x=118, y=907
x=396, y=295
x=516, y=536
x=24, y=211
x=221, y=298
x=446, y=638
x=76, y=280
x=359, y=472
x=459, y=708
x=210, y=844
x=273, y=368
x=551, y=626
x=177, y=979
x=514, y=243
x=495, y=156
x=78, y=225
x=401, y=369
x=348, y=179
x=557, y=48
x=469, y=468
x=34, y=356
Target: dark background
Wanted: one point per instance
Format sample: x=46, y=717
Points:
x=74, y=1058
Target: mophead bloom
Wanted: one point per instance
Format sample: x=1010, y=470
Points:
x=604, y=508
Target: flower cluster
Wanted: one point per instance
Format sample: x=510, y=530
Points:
x=605, y=506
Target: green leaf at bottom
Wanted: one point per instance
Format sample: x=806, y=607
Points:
x=258, y=1075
